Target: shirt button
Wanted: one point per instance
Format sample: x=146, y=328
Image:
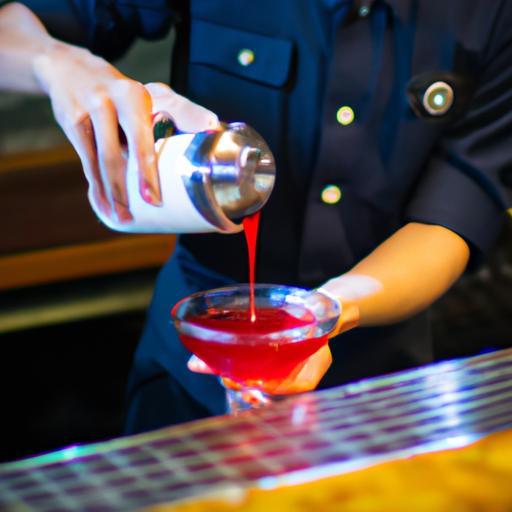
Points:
x=345, y=115
x=331, y=194
x=438, y=98
x=245, y=57
x=364, y=8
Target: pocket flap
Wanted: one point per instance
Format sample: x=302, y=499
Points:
x=219, y=47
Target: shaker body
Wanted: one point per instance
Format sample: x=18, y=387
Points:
x=201, y=183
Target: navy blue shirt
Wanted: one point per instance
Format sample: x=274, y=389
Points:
x=345, y=93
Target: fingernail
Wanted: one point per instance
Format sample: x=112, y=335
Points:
x=123, y=214
x=150, y=194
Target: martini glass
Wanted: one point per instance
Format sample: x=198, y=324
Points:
x=291, y=324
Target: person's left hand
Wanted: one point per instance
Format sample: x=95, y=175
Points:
x=304, y=377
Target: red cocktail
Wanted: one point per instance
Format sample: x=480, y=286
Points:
x=290, y=325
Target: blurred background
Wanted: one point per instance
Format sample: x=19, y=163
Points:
x=73, y=294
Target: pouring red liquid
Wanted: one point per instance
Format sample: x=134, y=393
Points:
x=251, y=225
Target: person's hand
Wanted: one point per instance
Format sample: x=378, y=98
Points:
x=304, y=377
x=340, y=290
x=108, y=119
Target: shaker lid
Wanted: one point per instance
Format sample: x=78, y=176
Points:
x=234, y=176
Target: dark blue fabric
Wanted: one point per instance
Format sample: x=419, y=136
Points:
x=160, y=350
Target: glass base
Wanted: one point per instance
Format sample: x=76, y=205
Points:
x=239, y=400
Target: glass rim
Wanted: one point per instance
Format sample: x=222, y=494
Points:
x=321, y=327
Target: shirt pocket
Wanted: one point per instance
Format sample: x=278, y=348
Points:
x=241, y=76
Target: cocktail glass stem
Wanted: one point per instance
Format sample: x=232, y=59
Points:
x=240, y=400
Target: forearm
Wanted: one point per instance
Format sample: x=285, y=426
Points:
x=23, y=39
x=402, y=276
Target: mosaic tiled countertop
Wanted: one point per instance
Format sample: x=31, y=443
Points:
x=308, y=437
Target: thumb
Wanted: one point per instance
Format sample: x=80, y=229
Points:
x=187, y=115
x=197, y=365
x=307, y=376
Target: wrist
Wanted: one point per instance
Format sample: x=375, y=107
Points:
x=50, y=52
x=349, y=312
x=349, y=318
x=22, y=39
x=351, y=290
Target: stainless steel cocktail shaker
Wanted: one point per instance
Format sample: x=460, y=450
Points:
x=209, y=182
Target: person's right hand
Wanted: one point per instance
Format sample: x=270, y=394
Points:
x=108, y=119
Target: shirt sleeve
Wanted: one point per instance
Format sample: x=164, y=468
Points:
x=106, y=27
x=467, y=184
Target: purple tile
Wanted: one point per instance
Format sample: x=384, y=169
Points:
x=239, y=459
x=121, y=481
x=80, y=489
x=294, y=465
x=165, y=443
x=206, y=433
x=63, y=474
x=24, y=484
x=105, y=468
x=185, y=453
x=262, y=438
x=39, y=496
x=255, y=475
x=128, y=451
x=315, y=445
x=278, y=451
x=160, y=473
x=12, y=475
x=252, y=472
x=147, y=461
x=211, y=480
x=97, y=508
x=136, y=494
x=333, y=457
x=223, y=445
x=201, y=466
x=357, y=438
x=176, y=486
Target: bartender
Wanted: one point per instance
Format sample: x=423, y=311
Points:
x=391, y=124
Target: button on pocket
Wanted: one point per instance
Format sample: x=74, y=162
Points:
x=245, y=57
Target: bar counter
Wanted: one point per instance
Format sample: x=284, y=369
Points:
x=438, y=437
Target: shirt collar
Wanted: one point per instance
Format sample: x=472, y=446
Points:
x=400, y=7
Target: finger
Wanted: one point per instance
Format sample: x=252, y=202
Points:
x=197, y=365
x=231, y=384
x=112, y=164
x=188, y=116
x=307, y=375
x=133, y=105
x=76, y=124
x=82, y=138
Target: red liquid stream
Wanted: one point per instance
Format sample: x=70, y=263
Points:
x=253, y=359
x=251, y=224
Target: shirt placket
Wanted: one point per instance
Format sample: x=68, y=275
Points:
x=325, y=248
